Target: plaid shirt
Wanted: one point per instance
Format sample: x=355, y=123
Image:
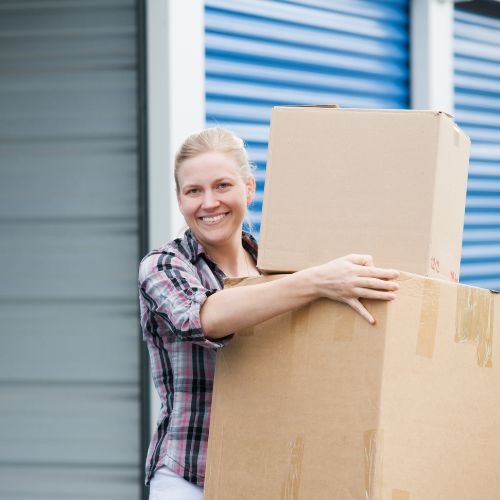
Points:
x=174, y=281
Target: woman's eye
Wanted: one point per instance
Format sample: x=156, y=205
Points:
x=192, y=191
x=223, y=185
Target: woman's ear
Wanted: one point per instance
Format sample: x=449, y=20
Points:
x=250, y=187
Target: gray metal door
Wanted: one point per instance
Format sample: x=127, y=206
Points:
x=69, y=349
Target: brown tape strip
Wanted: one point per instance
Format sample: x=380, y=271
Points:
x=343, y=325
x=372, y=447
x=300, y=320
x=426, y=337
x=291, y=485
x=339, y=320
x=400, y=495
x=474, y=322
x=250, y=280
x=246, y=332
x=230, y=282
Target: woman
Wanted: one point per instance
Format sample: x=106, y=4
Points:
x=186, y=315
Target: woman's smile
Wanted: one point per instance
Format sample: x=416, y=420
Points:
x=213, y=219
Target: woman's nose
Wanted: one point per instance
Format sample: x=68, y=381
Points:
x=210, y=200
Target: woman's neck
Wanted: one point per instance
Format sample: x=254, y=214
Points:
x=232, y=258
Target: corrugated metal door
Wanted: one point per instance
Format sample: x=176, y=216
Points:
x=274, y=52
x=69, y=341
x=477, y=110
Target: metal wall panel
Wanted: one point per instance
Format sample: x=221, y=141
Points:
x=477, y=110
x=272, y=52
x=69, y=348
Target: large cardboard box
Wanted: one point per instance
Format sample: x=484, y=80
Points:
x=390, y=183
x=317, y=404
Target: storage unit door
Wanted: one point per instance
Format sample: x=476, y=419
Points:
x=272, y=52
x=69, y=346
x=477, y=109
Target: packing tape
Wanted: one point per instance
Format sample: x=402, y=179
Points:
x=340, y=318
x=344, y=324
x=291, y=484
x=372, y=444
x=230, y=282
x=426, y=337
x=250, y=280
x=400, y=495
x=300, y=320
x=474, y=322
x=246, y=332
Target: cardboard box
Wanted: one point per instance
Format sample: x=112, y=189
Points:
x=390, y=183
x=317, y=404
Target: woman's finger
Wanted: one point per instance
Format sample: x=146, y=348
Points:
x=368, y=293
x=377, y=284
x=361, y=309
x=378, y=272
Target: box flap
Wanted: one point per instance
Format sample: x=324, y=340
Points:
x=308, y=106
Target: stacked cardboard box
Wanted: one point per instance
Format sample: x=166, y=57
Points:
x=390, y=183
x=318, y=404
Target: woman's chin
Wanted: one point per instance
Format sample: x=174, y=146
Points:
x=215, y=235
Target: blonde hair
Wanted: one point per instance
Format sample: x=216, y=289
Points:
x=214, y=139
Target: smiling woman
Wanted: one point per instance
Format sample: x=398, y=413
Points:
x=213, y=197
x=186, y=315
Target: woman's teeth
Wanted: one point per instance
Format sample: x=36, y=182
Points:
x=211, y=220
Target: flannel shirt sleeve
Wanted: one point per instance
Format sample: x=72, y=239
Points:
x=172, y=290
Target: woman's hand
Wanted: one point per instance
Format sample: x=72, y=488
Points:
x=354, y=277
x=347, y=279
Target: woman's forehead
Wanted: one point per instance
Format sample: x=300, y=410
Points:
x=207, y=167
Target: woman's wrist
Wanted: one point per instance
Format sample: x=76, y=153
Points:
x=307, y=281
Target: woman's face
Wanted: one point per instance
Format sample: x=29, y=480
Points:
x=213, y=197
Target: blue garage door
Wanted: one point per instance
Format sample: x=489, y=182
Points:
x=477, y=109
x=353, y=53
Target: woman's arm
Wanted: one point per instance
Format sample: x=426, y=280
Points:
x=347, y=280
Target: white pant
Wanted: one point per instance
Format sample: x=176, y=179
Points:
x=167, y=485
